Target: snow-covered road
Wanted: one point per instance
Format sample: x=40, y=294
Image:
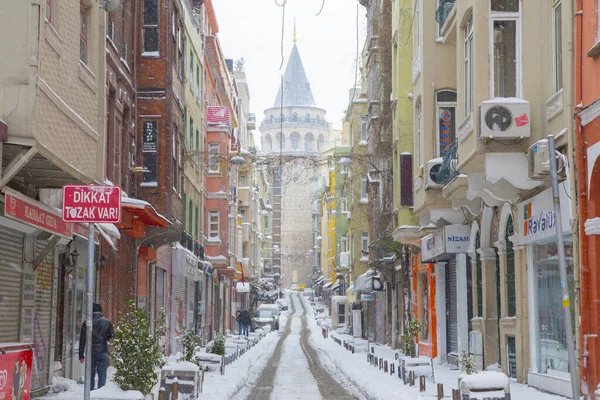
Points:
x=294, y=371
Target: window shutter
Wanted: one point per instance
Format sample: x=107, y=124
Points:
x=406, y=180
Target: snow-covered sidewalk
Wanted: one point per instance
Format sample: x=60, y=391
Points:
x=375, y=384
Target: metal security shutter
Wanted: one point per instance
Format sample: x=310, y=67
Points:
x=179, y=307
x=451, y=308
x=11, y=256
x=42, y=320
x=191, y=300
x=371, y=320
x=379, y=317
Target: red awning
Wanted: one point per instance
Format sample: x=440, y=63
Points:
x=144, y=212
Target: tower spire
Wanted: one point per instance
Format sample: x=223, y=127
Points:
x=294, y=30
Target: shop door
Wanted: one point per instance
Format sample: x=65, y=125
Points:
x=451, y=311
x=179, y=309
x=42, y=318
x=11, y=261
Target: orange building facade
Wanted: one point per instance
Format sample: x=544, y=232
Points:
x=587, y=124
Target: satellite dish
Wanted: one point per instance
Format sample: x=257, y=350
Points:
x=111, y=5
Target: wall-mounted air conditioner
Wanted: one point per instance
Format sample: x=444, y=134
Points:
x=430, y=174
x=505, y=118
x=539, y=160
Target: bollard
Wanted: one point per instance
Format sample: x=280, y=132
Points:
x=175, y=391
x=380, y=364
x=385, y=366
x=411, y=378
x=421, y=383
x=392, y=369
x=161, y=394
x=440, y=391
x=202, y=382
x=455, y=394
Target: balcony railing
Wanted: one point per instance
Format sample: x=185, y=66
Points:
x=298, y=120
x=441, y=14
x=448, y=171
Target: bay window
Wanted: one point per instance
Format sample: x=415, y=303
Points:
x=213, y=224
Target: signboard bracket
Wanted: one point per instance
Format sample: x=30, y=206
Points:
x=45, y=251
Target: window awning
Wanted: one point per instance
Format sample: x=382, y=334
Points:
x=144, y=211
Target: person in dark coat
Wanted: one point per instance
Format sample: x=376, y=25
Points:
x=245, y=321
x=102, y=332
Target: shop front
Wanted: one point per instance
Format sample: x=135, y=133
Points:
x=441, y=293
x=186, y=279
x=549, y=368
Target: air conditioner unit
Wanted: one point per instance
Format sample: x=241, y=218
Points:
x=504, y=119
x=430, y=174
x=539, y=160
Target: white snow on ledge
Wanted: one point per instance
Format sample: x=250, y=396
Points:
x=485, y=380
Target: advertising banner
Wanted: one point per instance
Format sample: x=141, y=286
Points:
x=15, y=374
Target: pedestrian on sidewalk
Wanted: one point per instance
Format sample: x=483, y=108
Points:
x=102, y=332
x=238, y=318
x=245, y=321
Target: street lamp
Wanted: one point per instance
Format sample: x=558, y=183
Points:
x=74, y=257
x=101, y=263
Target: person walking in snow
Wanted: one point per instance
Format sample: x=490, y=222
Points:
x=102, y=332
x=245, y=321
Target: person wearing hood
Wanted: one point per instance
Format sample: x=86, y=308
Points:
x=102, y=332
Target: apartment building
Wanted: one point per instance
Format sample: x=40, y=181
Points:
x=491, y=79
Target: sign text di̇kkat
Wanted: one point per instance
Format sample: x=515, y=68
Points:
x=94, y=204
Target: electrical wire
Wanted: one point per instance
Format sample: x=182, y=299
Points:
x=322, y=5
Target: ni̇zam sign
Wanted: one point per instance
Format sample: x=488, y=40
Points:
x=92, y=204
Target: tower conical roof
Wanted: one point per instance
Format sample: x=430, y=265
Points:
x=296, y=87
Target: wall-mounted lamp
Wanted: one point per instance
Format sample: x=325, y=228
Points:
x=101, y=263
x=142, y=170
x=74, y=257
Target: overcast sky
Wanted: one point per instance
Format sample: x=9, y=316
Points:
x=327, y=45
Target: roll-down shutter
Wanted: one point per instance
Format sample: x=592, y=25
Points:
x=451, y=308
x=179, y=296
x=379, y=317
x=11, y=263
x=191, y=296
x=42, y=320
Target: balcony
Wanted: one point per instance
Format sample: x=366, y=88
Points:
x=443, y=11
x=299, y=122
x=251, y=123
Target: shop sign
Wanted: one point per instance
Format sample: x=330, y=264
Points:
x=457, y=238
x=367, y=297
x=433, y=245
x=81, y=231
x=36, y=214
x=185, y=264
x=92, y=204
x=537, y=219
x=15, y=374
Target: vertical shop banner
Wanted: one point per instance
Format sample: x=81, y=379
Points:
x=15, y=375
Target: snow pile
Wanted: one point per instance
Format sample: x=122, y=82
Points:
x=113, y=392
x=484, y=380
x=60, y=384
x=181, y=366
x=242, y=375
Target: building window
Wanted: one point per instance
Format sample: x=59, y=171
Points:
x=213, y=157
x=49, y=11
x=344, y=204
x=308, y=142
x=243, y=180
x=363, y=128
x=551, y=342
x=191, y=73
x=150, y=150
x=174, y=145
x=344, y=244
x=478, y=276
x=598, y=22
x=213, y=224
x=83, y=34
x=505, y=42
x=557, y=25
x=191, y=142
x=468, y=65
x=295, y=136
x=363, y=187
x=266, y=223
x=344, y=169
x=423, y=283
x=417, y=25
x=197, y=82
x=419, y=142
x=150, y=27
x=190, y=217
x=320, y=143
x=446, y=107
x=197, y=225
x=364, y=244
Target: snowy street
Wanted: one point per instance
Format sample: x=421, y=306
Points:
x=294, y=371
